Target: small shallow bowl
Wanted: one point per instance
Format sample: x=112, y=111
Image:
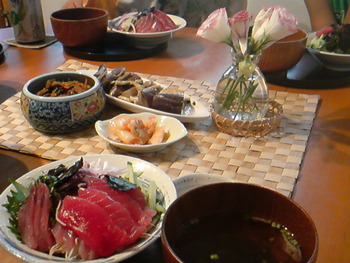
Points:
x=78, y=27
x=101, y=162
x=285, y=53
x=62, y=114
x=150, y=40
x=188, y=182
x=243, y=200
x=331, y=60
x=175, y=128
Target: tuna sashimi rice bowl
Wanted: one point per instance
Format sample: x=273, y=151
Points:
x=98, y=208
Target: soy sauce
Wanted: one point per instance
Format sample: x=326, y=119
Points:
x=229, y=237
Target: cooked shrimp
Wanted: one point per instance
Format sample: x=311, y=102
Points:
x=127, y=137
x=158, y=135
x=138, y=129
x=134, y=131
x=151, y=125
x=119, y=123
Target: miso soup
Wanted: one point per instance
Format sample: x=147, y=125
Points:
x=229, y=237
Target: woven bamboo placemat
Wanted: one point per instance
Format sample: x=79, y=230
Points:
x=272, y=161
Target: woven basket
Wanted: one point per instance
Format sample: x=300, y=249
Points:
x=255, y=128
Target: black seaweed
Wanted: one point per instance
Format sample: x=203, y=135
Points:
x=119, y=183
x=145, y=12
x=57, y=177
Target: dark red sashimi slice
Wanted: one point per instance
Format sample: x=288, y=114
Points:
x=72, y=242
x=118, y=213
x=138, y=196
x=129, y=203
x=148, y=24
x=92, y=224
x=166, y=22
x=33, y=219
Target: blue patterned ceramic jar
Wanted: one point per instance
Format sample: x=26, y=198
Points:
x=62, y=114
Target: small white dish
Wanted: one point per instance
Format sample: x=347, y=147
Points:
x=185, y=183
x=175, y=128
x=150, y=40
x=330, y=60
x=102, y=163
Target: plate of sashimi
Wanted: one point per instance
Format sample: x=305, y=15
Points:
x=94, y=208
x=148, y=28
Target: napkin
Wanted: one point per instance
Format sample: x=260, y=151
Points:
x=46, y=42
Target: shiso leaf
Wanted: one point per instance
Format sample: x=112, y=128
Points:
x=15, y=202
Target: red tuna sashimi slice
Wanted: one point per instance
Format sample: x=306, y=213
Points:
x=138, y=196
x=136, y=212
x=33, y=219
x=71, y=243
x=148, y=24
x=92, y=224
x=166, y=22
x=118, y=213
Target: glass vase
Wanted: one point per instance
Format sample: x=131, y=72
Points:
x=242, y=92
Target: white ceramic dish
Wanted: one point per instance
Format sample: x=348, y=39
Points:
x=150, y=172
x=175, y=128
x=330, y=60
x=185, y=183
x=150, y=40
x=198, y=112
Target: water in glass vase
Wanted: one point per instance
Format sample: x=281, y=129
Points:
x=242, y=92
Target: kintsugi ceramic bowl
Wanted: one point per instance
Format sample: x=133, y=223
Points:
x=66, y=113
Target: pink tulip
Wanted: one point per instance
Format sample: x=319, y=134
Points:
x=240, y=24
x=216, y=27
x=272, y=24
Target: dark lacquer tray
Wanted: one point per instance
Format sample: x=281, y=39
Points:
x=309, y=73
x=115, y=47
x=2, y=56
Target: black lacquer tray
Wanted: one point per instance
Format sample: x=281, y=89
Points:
x=309, y=73
x=115, y=47
x=2, y=56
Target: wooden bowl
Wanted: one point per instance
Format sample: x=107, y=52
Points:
x=242, y=199
x=284, y=54
x=77, y=27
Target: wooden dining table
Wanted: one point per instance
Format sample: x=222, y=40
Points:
x=323, y=184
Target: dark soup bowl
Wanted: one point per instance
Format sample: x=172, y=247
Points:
x=237, y=222
x=79, y=27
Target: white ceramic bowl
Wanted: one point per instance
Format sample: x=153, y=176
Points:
x=330, y=60
x=188, y=182
x=62, y=114
x=150, y=40
x=175, y=128
x=108, y=162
